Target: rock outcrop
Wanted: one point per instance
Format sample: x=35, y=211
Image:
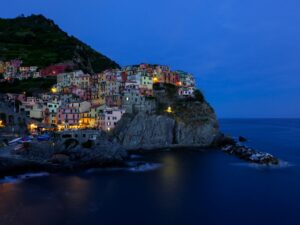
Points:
x=251, y=155
x=180, y=128
x=177, y=121
x=145, y=131
x=59, y=156
x=230, y=146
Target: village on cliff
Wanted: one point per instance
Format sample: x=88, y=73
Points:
x=91, y=101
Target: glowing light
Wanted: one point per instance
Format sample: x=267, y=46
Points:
x=169, y=109
x=1, y=123
x=108, y=129
x=155, y=80
x=33, y=126
x=54, y=90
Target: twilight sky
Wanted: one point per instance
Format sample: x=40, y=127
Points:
x=244, y=54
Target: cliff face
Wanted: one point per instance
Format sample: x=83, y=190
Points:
x=197, y=125
x=143, y=130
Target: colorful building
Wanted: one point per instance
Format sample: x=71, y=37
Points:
x=109, y=117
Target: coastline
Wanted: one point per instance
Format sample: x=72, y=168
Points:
x=15, y=165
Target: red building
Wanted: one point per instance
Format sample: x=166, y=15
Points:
x=54, y=70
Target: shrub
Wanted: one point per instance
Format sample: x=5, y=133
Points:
x=87, y=144
x=199, y=96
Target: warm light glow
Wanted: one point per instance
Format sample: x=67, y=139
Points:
x=169, y=109
x=54, y=90
x=108, y=129
x=1, y=123
x=155, y=80
x=33, y=126
x=60, y=127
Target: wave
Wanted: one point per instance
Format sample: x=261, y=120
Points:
x=281, y=165
x=131, y=167
x=144, y=167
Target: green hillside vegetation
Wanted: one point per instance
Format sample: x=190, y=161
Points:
x=30, y=86
x=39, y=41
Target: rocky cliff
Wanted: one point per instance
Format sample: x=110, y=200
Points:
x=62, y=155
x=192, y=122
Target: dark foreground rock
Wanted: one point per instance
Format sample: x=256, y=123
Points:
x=230, y=146
x=58, y=157
x=251, y=155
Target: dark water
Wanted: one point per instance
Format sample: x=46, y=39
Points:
x=179, y=188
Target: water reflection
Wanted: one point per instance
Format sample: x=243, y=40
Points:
x=77, y=191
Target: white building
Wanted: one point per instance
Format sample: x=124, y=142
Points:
x=82, y=106
x=68, y=79
x=37, y=111
x=109, y=117
x=53, y=106
x=186, y=91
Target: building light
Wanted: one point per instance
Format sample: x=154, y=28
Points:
x=155, y=80
x=33, y=126
x=169, y=109
x=1, y=124
x=108, y=129
x=54, y=90
x=127, y=98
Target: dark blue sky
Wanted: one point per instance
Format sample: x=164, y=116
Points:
x=245, y=54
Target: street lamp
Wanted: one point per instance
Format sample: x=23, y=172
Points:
x=169, y=109
x=54, y=90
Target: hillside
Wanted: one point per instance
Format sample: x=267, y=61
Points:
x=39, y=41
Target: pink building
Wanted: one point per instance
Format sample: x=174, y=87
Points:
x=68, y=115
x=109, y=117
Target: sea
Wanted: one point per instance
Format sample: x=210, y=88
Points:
x=185, y=187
